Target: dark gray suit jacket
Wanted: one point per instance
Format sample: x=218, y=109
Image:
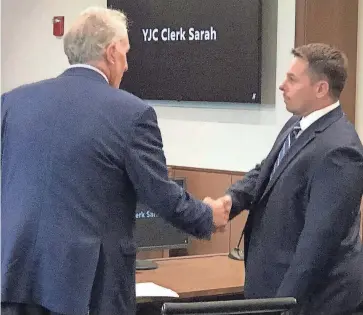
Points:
x=76, y=155
x=302, y=233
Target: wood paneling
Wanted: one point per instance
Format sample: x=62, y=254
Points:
x=205, y=170
x=162, y=253
x=300, y=18
x=171, y=172
x=202, y=184
x=333, y=22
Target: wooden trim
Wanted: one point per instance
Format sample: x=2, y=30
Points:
x=205, y=170
x=300, y=18
x=190, y=257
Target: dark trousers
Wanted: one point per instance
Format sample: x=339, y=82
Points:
x=24, y=309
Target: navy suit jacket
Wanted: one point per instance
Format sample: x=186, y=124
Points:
x=302, y=233
x=77, y=155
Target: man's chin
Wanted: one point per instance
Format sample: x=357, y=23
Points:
x=289, y=108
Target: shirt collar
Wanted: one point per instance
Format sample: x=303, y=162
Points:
x=308, y=120
x=81, y=65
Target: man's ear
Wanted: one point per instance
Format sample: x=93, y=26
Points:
x=322, y=88
x=110, y=53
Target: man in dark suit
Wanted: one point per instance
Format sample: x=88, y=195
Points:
x=77, y=153
x=302, y=234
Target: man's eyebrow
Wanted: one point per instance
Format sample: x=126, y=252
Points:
x=291, y=75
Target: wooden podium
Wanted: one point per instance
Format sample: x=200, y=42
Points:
x=197, y=276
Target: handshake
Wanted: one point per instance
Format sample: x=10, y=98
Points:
x=221, y=208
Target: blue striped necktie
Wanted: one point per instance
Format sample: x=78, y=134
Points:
x=290, y=139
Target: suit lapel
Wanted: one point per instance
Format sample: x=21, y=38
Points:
x=303, y=140
x=269, y=163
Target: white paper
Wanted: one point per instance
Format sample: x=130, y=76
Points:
x=150, y=289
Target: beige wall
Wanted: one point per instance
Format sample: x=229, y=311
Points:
x=359, y=103
x=29, y=51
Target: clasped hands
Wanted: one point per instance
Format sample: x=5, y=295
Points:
x=221, y=208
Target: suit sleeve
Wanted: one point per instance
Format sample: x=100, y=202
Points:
x=335, y=195
x=243, y=191
x=3, y=118
x=147, y=170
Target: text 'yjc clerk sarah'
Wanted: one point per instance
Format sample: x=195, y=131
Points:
x=170, y=35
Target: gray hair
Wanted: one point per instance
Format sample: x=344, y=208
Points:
x=92, y=32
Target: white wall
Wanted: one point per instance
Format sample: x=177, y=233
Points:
x=230, y=139
x=359, y=102
x=30, y=52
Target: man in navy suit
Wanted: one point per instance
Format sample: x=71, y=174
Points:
x=77, y=153
x=302, y=234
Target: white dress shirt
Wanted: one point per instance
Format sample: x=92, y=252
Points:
x=81, y=65
x=308, y=120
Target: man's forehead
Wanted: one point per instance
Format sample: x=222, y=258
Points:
x=298, y=66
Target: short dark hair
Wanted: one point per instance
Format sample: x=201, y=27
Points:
x=326, y=62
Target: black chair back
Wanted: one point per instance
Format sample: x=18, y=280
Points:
x=235, y=307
